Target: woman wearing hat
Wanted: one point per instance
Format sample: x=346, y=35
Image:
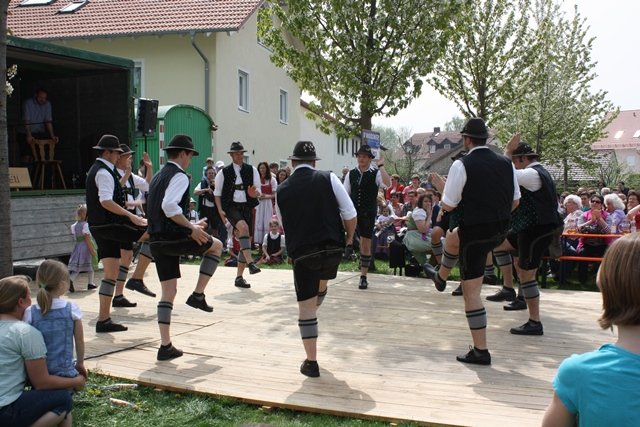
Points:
x=109, y=222
x=362, y=185
x=236, y=192
x=173, y=235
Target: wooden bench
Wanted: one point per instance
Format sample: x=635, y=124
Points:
x=545, y=260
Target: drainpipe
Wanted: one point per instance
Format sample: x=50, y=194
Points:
x=206, y=72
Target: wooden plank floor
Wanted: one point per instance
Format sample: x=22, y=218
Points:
x=385, y=353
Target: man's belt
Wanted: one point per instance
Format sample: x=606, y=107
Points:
x=238, y=187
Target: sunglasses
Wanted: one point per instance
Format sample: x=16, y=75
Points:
x=596, y=201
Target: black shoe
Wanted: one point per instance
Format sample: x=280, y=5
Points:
x=441, y=284
x=253, y=268
x=121, y=301
x=504, y=294
x=139, y=286
x=310, y=369
x=241, y=283
x=91, y=287
x=457, y=291
x=517, y=304
x=71, y=288
x=475, y=357
x=363, y=283
x=492, y=279
x=529, y=328
x=169, y=352
x=109, y=326
x=429, y=270
x=200, y=304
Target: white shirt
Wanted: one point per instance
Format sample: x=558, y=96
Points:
x=347, y=182
x=104, y=181
x=239, y=196
x=457, y=178
x=273, y=236
x=85, y=229
x=529, y=178
x=56, y=303
x=345, y=205
x=205, y=201
x=173, y=195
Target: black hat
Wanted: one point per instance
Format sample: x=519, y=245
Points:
x=459, y=155
x=365, y=149
x=236, y=147
x=125, y=149
x=524, y=149
x=108, y=142
x=475, y=128
x=181, y=142
x=304, y=150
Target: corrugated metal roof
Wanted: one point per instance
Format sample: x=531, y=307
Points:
x=112, y=18
x=621, y=132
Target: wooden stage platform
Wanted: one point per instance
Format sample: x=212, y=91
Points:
x=384, y=353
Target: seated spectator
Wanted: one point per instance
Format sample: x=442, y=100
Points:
x=615, y=209
x=396, y=209
x=584, y=199
x=273, y=245
x=569, y=246
x=418, y=238
x=593, y=221
x=384, y=228
x=589, y=385
x=396, y=187
x=410, y=203
x=23, y=355
x=633, y=209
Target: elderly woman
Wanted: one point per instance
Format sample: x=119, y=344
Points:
x=633, y=209
x=418, y=240
x=572, y=205
x=615, y=208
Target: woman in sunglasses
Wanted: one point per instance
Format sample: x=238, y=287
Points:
x=593, y=221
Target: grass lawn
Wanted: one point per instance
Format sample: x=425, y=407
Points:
x=154, y=407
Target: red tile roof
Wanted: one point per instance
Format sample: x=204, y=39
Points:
x=625, y=126
x=112, y=18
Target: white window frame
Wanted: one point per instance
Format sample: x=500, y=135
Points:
x=243, y=90
x=139, y=64
x=432, y=148
x=284, y=107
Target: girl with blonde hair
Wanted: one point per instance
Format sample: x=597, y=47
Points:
x=59, y=321
x=80, y=260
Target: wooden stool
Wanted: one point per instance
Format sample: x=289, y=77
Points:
x=39, y=149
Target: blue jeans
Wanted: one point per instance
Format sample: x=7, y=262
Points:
x=33, y=404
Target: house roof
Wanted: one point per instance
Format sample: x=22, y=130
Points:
x=622, y=133
x=576, y=172
x=426, y=139
x=113, y=18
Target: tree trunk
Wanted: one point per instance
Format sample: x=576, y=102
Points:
x=6, y=260
x=565, y=177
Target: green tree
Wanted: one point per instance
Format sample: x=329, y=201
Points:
x=400, y=155
x=358, y=59
x=561, y=116
x=6, y=261
x=487, y=61
x=454, y=125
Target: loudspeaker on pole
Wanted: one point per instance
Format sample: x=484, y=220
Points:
x=147, y=116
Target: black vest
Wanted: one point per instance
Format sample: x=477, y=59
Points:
x=545, y=198
x=229, y=185
x=273, y=245
x=310, y=212
x=204, y=184
x=364, y=192
x=488, y=192
x=130, y=190
x=96, y=214
x=158, y=223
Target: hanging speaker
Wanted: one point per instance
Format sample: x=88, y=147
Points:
x=147, y=116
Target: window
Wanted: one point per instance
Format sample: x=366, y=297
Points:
x=73, y=6
x=447, y=146
x=243, y=90
x=35, y=2
x=618, y=134
x=284, y=107
x=138, y=71
x=432, y=148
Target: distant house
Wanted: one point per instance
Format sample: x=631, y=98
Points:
x=434, y=150
x=203, y=53
x=578, y=175
x=623, y=137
